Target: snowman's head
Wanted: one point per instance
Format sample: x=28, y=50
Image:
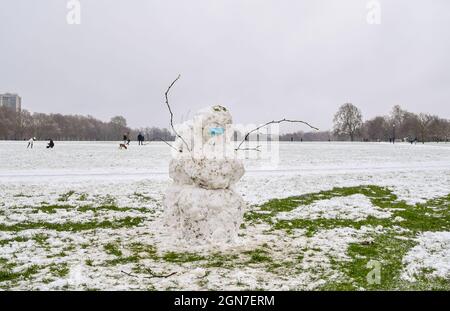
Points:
x=213, y=123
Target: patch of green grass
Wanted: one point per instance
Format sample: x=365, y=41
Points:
x=424, y=282
x=313, y=225
x=433, y=215
x=281, y=266
x=138, y=251
x=426, y=217
x=69, y=248
x=59, y=270
x=66, y=196
x=52, y=208
x=111, y=207
x=387, y=248
x=380, y=196
x=60, y=254
x=258, y=216
x=6, y=265
x=40, y=238
x=83, y=197
x=126, y=222
x=8, y=275
x=113, y=249
x=182, y=257
x=258, y=255
x=218, y=260
x=15, y=239
x=142, y=197
x=144, y=250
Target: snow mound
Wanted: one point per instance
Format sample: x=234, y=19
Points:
x=432, y=253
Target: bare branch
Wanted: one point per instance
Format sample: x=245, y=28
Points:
x=273, y=122
x=160, y=275
x=168, y=144
x=254, y=149
x=152, y=275
x=166, y=94
x=129, y=274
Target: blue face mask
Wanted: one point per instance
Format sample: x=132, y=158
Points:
x=216, y=131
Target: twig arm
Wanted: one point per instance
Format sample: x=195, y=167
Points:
x=167, y=143
x=272, y=122
x=152, y=275
x=166, y=94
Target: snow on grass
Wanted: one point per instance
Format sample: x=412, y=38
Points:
x=431, y=257
x=120, y=255
x=88, y=216
x=355, y=207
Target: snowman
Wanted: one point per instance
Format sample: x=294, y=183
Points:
x=201, y=205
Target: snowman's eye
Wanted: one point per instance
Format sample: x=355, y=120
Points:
x=215, y=131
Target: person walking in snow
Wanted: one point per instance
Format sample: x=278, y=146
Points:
x=51, y=144
x=128, y=138
x=140, y=139
x=31, y=142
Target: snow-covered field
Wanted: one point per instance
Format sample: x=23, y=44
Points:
x=87, y=215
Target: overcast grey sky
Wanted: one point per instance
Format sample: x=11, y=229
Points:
x=262, y=59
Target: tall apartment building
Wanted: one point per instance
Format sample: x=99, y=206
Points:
x=11, y=100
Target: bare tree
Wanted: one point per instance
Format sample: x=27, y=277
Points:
x=376, y=129
x=424, y=123
x=397, y=116
x=348, y=121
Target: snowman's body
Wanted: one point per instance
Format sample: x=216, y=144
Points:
x=201, y=205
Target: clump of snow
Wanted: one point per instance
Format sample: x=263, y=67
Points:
x=355, y=207
x=206, y=173
x=76, y=276
x=195, y=213
x=432, y=253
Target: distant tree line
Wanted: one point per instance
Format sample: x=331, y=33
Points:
x=348, y=125
x=23, y=125
x=399, y=125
